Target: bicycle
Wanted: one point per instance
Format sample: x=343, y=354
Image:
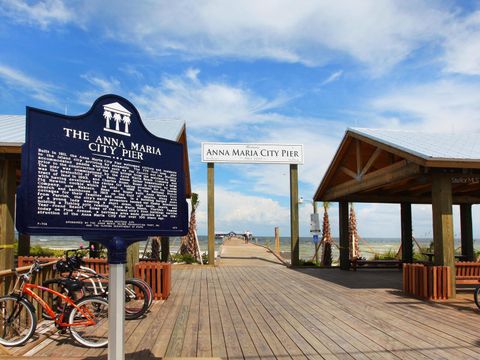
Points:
x=81, y=281
x=85, y=318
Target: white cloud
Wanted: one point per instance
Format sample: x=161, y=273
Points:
x=211, y=107
x=98, y=86
x=377, y=34
x=462, y=45
x=41, y=13
x=442, y=106
x=239, y=212
x=333, y=77
x=17, y=79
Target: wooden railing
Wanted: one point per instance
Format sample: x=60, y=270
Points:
x=427, y=282
x=158, y=275
x=99, y=265
x=8, y=279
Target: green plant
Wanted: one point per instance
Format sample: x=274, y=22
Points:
x=307, y=263
x=185, y=258
x=391, y=254
x=418, y=256
x=37, y=250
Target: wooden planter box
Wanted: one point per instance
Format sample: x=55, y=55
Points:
x=158, y=275
x=427, y=282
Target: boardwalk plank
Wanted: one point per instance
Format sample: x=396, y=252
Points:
x=204, y=348
x=246, y=343
x=216, y=326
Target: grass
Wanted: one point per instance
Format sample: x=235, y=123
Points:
x=187, y=258
x=390, y=254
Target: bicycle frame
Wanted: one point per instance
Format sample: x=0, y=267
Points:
x=59, y=321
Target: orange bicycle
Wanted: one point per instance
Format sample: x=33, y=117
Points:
x=86, y=318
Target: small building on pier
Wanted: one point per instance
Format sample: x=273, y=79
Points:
x=408, y=167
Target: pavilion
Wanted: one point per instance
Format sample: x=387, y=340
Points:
x=12, y=137
x=407, y=167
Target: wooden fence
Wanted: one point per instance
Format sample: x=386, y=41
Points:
x=427, y=282
x=157, y=275
x=99, y=265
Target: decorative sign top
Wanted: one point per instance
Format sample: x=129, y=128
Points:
x=100, y=174
x=252, y=153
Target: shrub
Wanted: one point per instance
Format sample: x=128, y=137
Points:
x=391, y=254
x=186, y=258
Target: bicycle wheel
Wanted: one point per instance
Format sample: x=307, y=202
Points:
x=17, y=320
x=149, y=290
x=136, y=299
x=95, y=335
x=476, y=296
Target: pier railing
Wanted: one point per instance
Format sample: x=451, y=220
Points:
x=157, y=274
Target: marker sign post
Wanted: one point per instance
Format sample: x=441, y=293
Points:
x=103, y=176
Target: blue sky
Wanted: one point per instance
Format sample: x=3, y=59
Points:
x=255, y=71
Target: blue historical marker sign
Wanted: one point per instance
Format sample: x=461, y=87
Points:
x=100, y=174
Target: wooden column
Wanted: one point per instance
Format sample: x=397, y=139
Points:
x=443, y=224
x=165, y=248
x=211, y=212
x=343, y=235
x=467, y=231
x=132, y=259
x=406, y=225
x=23, y=245
x=294, y=226
x=277, y=240
x=7, y=212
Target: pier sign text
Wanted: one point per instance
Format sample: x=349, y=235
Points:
x=252, y=153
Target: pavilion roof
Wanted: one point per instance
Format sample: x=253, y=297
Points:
x=378, y=165
x=448, y=146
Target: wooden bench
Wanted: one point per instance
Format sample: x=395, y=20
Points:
x=467, y=272
x=375, y=264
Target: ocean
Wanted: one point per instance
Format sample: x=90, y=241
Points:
x=368, y=246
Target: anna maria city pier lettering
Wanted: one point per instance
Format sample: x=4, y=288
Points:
x=112, y=146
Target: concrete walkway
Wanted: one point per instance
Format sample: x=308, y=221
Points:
x=235, y=252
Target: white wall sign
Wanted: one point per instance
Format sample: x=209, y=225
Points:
x=252, y=153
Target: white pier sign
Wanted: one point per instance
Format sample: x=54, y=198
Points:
x=252, y=153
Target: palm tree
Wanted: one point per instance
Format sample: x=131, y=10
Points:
x=326, y=237
x=108, y=116
x=189, y=241
x=126, y=120
x=354, y=251
x=117, y=117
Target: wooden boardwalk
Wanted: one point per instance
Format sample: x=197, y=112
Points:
x=272, y=312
